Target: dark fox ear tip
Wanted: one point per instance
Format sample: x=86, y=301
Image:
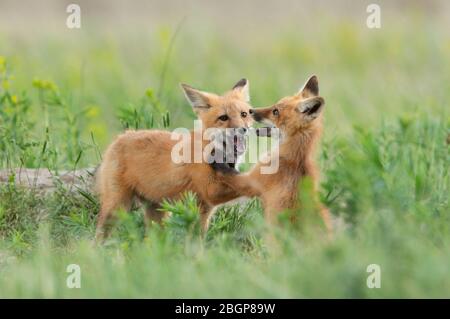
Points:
x=240, y=83
x=313, y=84
x=185, y=86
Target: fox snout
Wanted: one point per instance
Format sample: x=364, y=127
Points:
x=256, y=116
x=260, y=114
x=242, y=130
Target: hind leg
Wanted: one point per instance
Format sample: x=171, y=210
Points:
x=110, y=203
x=206, y=212
x=326, y=217
x=152, y=214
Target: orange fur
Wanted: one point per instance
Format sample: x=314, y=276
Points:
x=300, y=133
x=138, y=164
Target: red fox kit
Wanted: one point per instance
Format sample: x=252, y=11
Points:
x=138, y=164
x=300, y=121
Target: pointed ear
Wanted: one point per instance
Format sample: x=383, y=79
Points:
x=311, y=107
x=242, y=89
x=310, y=88
x=198, y=99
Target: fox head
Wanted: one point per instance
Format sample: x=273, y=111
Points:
x=294, y=113
x=230, y=110
x=222, y=113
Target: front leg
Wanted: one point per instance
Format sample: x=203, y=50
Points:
x=243, y=184
x=205, y=215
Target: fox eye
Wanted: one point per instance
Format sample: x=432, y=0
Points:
x=244, y=114
x=223, y=117
x=276, y=112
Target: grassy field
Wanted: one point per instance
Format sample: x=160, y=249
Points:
x=64, y=95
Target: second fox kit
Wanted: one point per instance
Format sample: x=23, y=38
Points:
x=138, y=164
x=299, y=118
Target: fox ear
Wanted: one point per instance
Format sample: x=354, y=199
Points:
x=198, y=99
x=242, y=89
x=310, y=88
x=311, y=107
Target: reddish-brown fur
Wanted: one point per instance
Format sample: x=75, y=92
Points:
x=138, y=164
x=300, y=134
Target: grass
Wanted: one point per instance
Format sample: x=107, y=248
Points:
x=384, y=161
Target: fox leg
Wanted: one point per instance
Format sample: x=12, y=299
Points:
x=111, y=202
x=205, y=215
x=244, y=185
x=153, y=214
x=271, y=211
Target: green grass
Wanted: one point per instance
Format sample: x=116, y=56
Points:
x=384, y=162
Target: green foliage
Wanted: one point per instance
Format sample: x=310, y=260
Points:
x=384, y=163
x=398, y=167
x=15, y=138
x=184, y=221
x=143, y=116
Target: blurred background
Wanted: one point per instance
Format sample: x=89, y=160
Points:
x=65, y=93
x=123, y=49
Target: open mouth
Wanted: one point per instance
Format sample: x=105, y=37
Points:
x=240, y=144
x=231, y=147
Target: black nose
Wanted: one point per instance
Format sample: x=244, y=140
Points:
x=257, y=116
